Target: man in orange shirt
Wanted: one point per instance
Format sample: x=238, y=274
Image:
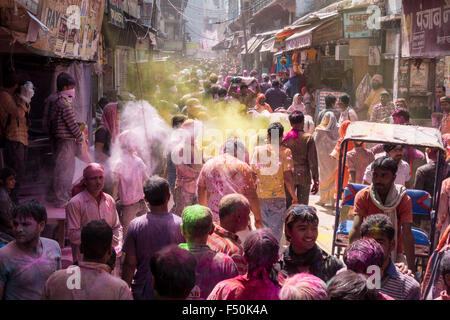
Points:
x=383, y=196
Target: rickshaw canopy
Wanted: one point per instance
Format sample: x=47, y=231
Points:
x=395, y=134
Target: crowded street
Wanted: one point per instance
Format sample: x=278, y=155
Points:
x=225, y=150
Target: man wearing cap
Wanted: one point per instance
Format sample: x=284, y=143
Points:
x=374, y=97
x=91, y=203
x=445, y=124
x=383, y=110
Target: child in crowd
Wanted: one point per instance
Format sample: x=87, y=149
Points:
x=303, y=254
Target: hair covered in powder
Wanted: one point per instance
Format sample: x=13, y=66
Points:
x=304, y=286
x=197, y=221
x=261, y=250
x=363, y=253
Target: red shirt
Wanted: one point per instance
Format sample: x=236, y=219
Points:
x=365, y=207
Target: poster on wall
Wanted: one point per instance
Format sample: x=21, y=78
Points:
x=426, y=28
x=374, y=55
x=419, y=77
x=75, y=28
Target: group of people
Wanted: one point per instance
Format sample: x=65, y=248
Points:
x=176, y=233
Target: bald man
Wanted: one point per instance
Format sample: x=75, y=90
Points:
x=91, y=203
x=234, y=210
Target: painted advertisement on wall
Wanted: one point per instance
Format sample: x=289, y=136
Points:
x=75, y=28
x=355, y=25
x=426, y=28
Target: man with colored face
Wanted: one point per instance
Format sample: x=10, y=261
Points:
x=91, y=203
x=401, y=116
x=402, y=176
x=385, y=196
x=28, y=261
x=393, y=282
x=303, y=254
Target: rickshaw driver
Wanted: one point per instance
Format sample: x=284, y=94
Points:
x=384, y=196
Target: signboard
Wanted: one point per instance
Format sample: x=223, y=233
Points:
x=320, y=100
x=74, y=26
x=355, y=24
x=328, y=32
x=426, y=28
x=31, y=5
x=299, y=42
x=115, y=13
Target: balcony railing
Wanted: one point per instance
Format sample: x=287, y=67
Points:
x=257, y=5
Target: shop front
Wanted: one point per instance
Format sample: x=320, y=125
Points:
x=425, y=53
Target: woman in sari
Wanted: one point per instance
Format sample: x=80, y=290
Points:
x=336, y=151
x=297, y=104
x=326, y=135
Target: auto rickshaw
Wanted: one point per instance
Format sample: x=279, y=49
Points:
x=423, y=203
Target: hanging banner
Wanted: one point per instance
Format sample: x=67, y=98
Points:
x=115, y=13
x=74, y=26
x=355, y=24
x=426, y=28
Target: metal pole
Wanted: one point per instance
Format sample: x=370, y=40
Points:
x=396, y=64
x=340, y=181
x=245, y=33
x=435, y=204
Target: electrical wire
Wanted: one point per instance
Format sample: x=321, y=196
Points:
x=190, y=18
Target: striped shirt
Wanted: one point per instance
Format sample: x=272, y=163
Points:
x=62, y=121
x=212, y=268
x=398, y=285
x=229, y=243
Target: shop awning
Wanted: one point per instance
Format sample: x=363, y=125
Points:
x=43, y=26
x=249, y=44
x=223, y=45
x=302, y=39
x=268, y=45
x=255, y=46
x=287, y=32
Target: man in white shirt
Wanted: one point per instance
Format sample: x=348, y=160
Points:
x=403, y=174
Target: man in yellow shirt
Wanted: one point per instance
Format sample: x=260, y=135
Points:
x=374, y=97
x=274, y=168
